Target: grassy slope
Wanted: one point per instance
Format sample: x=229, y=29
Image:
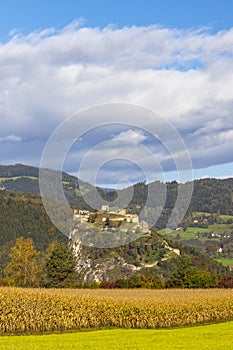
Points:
x=214, y=337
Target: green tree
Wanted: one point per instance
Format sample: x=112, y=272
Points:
x=60, y=267
x=187, y=276
x=23, y=267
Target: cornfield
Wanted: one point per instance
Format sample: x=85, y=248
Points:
x=38, y=311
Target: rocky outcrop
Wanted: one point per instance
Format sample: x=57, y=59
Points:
x=110, y=268
x=94, y=264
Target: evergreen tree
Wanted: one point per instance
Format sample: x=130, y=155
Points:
x=60, y=267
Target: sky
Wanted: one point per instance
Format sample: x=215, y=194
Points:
x=58, y=58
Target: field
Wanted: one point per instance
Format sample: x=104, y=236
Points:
x=214, y=337
x=203, y=234
x=192, y=232
x=2, y=179
x=226, y=262
x=24, y=311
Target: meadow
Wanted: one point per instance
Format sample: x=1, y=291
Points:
x=26, y=311
x=214, y=337
x=192, y=232
x=225, y=262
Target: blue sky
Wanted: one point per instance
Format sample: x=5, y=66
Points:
x=29, y=15
x=174, y=57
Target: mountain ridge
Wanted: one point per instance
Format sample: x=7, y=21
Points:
x=209, y=194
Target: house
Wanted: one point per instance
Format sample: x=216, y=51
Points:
x=132, y=218
x=105, y=207
x=82, y=215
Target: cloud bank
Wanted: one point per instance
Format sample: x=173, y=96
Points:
x=184, y=75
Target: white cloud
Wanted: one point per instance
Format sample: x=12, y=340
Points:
x=132, y=135
x=10, y=138
x=185, y=75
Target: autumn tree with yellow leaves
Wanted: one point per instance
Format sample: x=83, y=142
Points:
x=23, y=267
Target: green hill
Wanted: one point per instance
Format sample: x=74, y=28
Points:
x=24, y=178
x=209, y=195
x=22, y=214
x=151, y=257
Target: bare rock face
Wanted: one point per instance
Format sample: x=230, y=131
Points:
x=91, y=270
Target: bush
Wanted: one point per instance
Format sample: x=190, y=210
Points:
x=224, y=282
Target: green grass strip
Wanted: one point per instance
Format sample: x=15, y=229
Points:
x=214, y=337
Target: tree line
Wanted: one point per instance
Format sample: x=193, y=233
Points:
x=56, y=268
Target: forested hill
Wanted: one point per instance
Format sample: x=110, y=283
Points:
x=21, y=170
x=213, y=195
x=209, y=195
x=25, y=178
x=23, y=215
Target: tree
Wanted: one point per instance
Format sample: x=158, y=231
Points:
x=60, y=267
x=187, y=276
x=23, y=267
